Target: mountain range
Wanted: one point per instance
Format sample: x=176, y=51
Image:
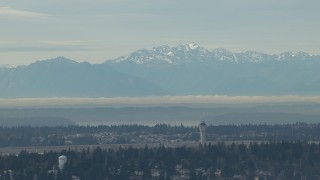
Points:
x=181, y=70
x=61, y=77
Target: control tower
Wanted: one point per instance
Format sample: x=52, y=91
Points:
x=203, y=128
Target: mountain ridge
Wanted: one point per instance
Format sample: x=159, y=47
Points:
x=62, y=77
x=180, y=70
x=174, y=55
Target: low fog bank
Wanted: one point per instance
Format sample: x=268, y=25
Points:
x=165, y=100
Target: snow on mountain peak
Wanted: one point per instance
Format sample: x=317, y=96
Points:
x=223, y=54
x=194, y=53
x=6, y=66
x=292, y=54
x=170, y=53
x=192, y=46
x=251, y=56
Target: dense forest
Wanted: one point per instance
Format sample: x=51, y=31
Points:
x=287, y=151
x=270, y=160
x=117, y=134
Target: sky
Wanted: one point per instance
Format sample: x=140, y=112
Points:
x=99, y=30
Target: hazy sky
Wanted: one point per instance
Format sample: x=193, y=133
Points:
x=98, y=30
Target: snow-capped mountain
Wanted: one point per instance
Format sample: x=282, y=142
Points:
x=181, y=70
x=194, y=53
x=165, y=54
x=192, y=69
x=297, y=55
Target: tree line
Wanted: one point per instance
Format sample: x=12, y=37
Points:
x=271, y=160
x=57, y=135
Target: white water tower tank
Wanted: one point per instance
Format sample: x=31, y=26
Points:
x=62, y=161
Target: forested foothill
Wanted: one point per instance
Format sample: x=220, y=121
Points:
x=161, y=133
x=267, y=160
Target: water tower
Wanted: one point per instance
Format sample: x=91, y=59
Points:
x=203, y=128
x=62, y=161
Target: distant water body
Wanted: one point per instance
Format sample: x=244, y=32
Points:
x=173, y=110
